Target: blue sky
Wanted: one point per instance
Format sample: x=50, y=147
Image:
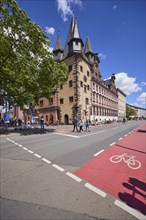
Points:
x=117, y=32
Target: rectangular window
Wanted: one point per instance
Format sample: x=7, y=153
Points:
x=70, y=83
x=87, y=101
x=87, y=73
x=50, y=101
x=61, y=87
x=85, y=88
x=71, y=99
x=81, y=68
x=41, y=103
x=61, y=101
x=81, y=83
x=70, y=68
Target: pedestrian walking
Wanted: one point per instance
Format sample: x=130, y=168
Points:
x=80, y=125
x=42, y=122
x=87, y=124
x=75, y=124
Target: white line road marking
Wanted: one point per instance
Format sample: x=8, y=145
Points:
x=112, y=143
x=30, y=151
x=67, y=135
x=73, y=176
x=58, y=167
x=45, y=160
x=37, y=155
x=98, y=153
x=20, y=145
x=25, y=148
x=120, y=139
x=125, y=135
x=12, y=141
x=15, y=143
x=130, y=210
x=96, y=190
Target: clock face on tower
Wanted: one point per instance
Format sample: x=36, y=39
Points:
x=85, y=78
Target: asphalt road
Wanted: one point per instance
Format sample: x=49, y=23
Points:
x=37, y=180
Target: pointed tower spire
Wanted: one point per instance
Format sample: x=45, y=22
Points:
x=58, y=43
x=73, y=39
x=75, y=33
x=88, y=51
x=88, y=46
x=58, y=48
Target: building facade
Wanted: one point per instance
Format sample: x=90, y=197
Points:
x=84, y=94
x=121, y=105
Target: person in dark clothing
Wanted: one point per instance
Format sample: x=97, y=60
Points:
x=80, y=125
x=75, y=124
x=87, y=125
x=42, y=122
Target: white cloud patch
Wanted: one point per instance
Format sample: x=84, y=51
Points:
x=143, y=83
x=50, y=30
x=127, y=84
x=51, y=49
x=114, y=7
x=65, y=7
x=102, y=56
x=142, y=98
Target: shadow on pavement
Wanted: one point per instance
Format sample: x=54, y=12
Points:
x=137, y=187
x=28, y=131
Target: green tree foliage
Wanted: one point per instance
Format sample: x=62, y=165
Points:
x=130, y=112
x=28, y=70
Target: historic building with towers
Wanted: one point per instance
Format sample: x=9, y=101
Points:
x=84, y=94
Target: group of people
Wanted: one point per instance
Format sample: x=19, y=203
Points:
x=78, y=125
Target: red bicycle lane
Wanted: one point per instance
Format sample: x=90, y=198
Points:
x=124, y=176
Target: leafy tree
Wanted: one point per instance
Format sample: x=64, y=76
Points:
x=28, y=70
x=130, y=111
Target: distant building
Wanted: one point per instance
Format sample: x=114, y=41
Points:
x=121, y=105
x=140, y=112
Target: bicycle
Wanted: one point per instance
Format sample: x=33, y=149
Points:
x=131, y=162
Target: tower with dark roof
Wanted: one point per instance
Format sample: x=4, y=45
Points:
x=58, y=52
x=84, y=94
x=88, y=51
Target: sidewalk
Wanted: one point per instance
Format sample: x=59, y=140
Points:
x=13, y=131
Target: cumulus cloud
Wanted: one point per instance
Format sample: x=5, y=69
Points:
x=142, y=98
x=102, y=56
x=127, y=84
x=50, y=30
x=65, y=7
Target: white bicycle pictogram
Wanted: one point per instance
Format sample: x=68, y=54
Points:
x=130, y=160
